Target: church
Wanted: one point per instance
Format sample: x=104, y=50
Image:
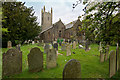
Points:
x=50, y=32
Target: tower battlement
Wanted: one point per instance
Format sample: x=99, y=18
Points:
x=46, y=19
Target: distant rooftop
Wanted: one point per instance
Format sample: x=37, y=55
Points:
x=69, y=25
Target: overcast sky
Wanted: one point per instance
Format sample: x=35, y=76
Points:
x=62, y=9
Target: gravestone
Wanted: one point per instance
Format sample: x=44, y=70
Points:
x=72, y=69
x=47, y=47
x=55, y=45
x=9, y=44
x=117, y=58
x=112, y=63
x=74, y=45
x=86, y=45
x=37, y=41
x=33, y=42
x=51, y=58
x=63, y=46
x=68, y=49
x=101, y=57
x=12, y=62
x=18, y=47
x=107, y=53
x=42, y=41
x=81, y=47
x=35, y=60
x=50, y=46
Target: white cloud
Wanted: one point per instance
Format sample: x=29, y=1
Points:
x=61, y=9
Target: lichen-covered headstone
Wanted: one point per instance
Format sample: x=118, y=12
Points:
x=12, y=62
x=9, y=44
x=68, y=50
x=72, y=69
x=117, y=58
x=35, y=60
x=112, y=63
x=51, y=58
x=74, y=45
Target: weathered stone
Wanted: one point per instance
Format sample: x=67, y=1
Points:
x=112, y=63
x=47, y=47
x=68, y=50
x=50, y=46
x=72, y=69
x=9, y=44
x=74, y=45
x=33, y=42
x=55, y=45
x=18, y=47
x=117, y=58
x=12, y=62
x=107, y=53
x=101, y=57
x=51, y=58
x=63, y=46
x=81, y=47
x=35, y=60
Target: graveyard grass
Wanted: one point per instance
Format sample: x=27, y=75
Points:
x=90, y=63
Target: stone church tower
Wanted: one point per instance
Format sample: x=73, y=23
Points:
x=46, y=19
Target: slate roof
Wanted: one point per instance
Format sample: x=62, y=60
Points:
x=67, y=26
x=49, y=27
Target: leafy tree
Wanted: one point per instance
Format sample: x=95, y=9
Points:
x=20, y=21
x=102, y=22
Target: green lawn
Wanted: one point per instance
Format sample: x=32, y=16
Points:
x=90, y=64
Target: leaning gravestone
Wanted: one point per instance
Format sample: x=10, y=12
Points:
x=63, y=46
x=47, y=47
x=74, y=45
x=68, y=49
x=12, y=62
x=72, y=69
x=112, y=63
x=51, y=58
x=9, y=44
x=117, y=58
x=35, y=60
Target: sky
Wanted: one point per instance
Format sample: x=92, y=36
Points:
x=62, y=9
